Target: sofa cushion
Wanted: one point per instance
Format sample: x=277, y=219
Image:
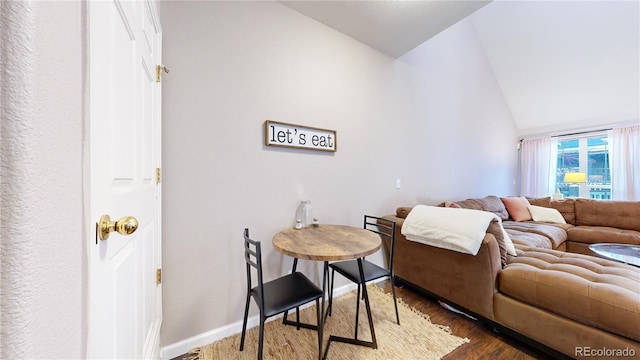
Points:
x=545, y=201
x=615, y=214
x=517, y=207
x=528, y=233
x=505, y=244
x=468, y=204
x=546, y=214
x=403, y=211
x=496, y=230
x=598, y=234
x=489, y=203
x=566, y=208
x=525, y=239
x=495, y=205
x=596, y=292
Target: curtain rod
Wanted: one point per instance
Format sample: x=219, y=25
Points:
x=576, y=133
x=582, y=132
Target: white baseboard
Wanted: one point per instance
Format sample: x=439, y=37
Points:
x=183, y=346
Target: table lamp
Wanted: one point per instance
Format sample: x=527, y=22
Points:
x=575, y=178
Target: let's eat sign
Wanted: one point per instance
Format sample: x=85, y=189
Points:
x=298, y=136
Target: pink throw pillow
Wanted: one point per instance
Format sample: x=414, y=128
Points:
x=517, y=207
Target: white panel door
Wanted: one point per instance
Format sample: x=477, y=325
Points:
x=125, y=303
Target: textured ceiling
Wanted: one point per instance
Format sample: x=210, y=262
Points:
x=392, y=27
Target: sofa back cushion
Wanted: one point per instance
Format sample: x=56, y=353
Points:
x=566, y=208
x=617, y=214
x=403, y=211
x=495, y=205
x=545, y=201
x=491, y=203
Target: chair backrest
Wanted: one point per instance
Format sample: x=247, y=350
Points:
x=253, y=259
x=385, y=228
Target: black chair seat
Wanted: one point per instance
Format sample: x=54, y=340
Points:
x=349, y=269
x=287, y=292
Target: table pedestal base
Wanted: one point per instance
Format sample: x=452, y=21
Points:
x=334, y=338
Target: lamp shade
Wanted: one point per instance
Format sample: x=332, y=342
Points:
x=575, y=177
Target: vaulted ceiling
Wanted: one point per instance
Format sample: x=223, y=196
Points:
x=560, y=64
x=392, y=27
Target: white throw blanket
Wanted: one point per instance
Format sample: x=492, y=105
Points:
x=454, y=229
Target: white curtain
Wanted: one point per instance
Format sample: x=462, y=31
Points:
x=624, y=160
x=538, y=165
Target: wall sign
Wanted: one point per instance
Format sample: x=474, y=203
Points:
x=298, y=136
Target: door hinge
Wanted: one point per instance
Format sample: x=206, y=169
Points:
x=158, y=276
x=158, y=176
x=159, y=70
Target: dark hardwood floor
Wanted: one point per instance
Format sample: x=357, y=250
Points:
x=484, y=342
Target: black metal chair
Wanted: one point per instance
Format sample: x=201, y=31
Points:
x=349, y=269
x=277, y=296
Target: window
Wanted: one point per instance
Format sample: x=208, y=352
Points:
x=589, y=155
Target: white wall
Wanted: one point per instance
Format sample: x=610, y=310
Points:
x=466, y=142
x=434, y=119
x=42, y=258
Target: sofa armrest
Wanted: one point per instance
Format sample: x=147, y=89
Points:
x=463, y=280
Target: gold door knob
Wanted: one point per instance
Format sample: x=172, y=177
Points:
x=126, y=225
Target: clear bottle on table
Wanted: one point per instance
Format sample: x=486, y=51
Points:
x=304, y=213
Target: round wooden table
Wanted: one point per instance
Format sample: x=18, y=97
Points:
x=330, y=243
x=327, y=242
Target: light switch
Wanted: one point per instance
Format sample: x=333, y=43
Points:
x=398, y=183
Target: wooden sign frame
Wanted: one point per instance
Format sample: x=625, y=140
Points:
x=299, y=137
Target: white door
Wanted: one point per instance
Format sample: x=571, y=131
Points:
x=125, y=303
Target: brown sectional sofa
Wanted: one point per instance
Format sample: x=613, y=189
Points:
x=553, y=294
